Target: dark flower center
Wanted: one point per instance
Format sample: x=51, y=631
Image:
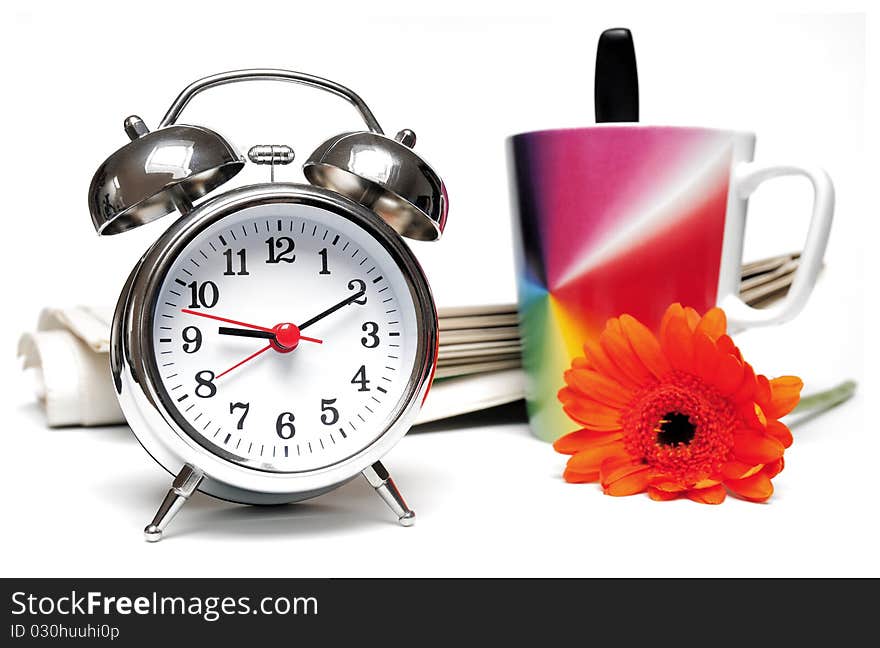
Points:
x=675, y=429
x=682, y=427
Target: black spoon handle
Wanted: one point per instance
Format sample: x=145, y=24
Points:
x=617, y=79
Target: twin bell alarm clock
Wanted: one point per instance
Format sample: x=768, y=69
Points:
x=278, y=339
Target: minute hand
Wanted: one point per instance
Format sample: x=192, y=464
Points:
x=333, y=309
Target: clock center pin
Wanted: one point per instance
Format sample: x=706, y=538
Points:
x=287, y=337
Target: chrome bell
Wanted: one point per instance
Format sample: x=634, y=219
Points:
x=158, y=172
x=385, y=175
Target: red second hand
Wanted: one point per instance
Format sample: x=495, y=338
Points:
x=244, y=324
x=250, y=357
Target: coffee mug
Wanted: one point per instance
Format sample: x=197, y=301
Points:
x=628, y=219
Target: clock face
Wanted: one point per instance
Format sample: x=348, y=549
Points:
x=285, y=338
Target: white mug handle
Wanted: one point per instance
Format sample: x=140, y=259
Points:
x=746, y=178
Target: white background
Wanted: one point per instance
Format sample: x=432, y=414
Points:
x=489, y=498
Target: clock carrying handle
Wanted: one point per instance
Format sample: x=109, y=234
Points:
x=289, y=76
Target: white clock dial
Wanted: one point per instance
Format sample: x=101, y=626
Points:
x=254, y=358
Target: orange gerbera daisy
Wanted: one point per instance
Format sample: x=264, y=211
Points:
x=682, y=416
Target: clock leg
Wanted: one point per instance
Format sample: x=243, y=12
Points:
x=379, y=479
x=186, y=482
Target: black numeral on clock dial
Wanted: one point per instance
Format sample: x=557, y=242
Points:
x=330, y=414
x=243, y=406
x=284, y=427
x=360, y=378
x=205, y=294
x=205, y=387
x=231, y=262
x=324, y=269
x=358, y=285
x=281, y=249
x=371, y=340
x=192, y=339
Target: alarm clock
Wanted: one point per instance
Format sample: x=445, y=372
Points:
x=278, y=339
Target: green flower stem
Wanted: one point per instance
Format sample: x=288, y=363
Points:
x=825, y=400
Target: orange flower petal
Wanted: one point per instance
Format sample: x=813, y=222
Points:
x=613, y=466
x=673, y=312
x=762, y=419
x=780, y=432
x=692, y=317
x=773, y=469
x=661, y=495
x=568, y=395
x=755, y=448
x=748, y=413
x=713, y=323
x=762, y=391
x=726, y=345
x=677, y=344
x=598, y=387
x=645, y=346
x=573, y=477
x=757, y=488
x=711, y=495
x=616, y=346
x=786, y=393
x=706, y=357
x=729, y=374
x=668, y=485
x=581, y=439
x=746, y=389
x=626, y=481
x=603, y=364
x=581, y=362
x=734, y=469
x=590, y=459
x=591, y=414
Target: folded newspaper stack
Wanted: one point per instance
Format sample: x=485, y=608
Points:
x=478, y=366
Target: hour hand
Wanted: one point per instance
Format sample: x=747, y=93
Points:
x=249, y=333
